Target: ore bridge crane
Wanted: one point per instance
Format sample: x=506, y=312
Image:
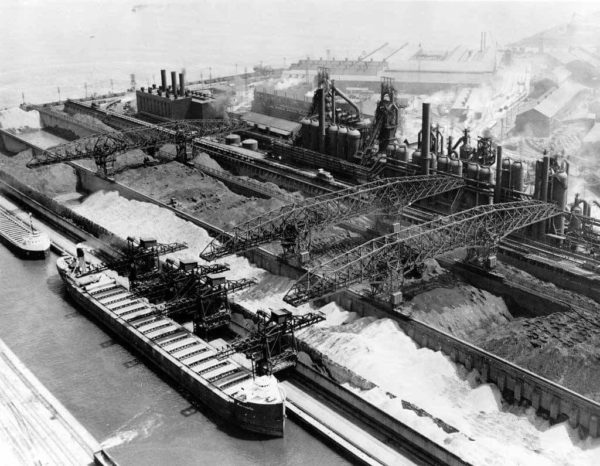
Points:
x=293, y=223
x=105, y=147
x=385, y=261
x=185, y=288
x=272, y=347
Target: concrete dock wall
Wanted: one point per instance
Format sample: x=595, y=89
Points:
x=586, y=285
x=51, y=118
x=516, y=384
x=379, y=419
x=13, y=144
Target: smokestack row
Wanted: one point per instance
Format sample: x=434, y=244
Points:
x=176, y=90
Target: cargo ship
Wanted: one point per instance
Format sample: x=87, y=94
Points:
x=255, y=404
x=21, y=237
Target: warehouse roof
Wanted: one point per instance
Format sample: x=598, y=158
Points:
x=276, y=125
x=559, y=99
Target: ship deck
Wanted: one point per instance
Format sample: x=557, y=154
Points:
x=174, y=340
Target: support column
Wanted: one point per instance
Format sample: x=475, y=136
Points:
x=425, y=139
x=498, y=187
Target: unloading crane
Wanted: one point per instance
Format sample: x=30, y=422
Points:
x=141, y=257
x=105, y=147
x=364, y=57
x=185, y=288
x=395, y=51
x=272, y=347
x=292, y=224
x=385, y=261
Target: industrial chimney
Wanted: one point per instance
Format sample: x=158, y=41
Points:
x=174, y=83
x=181, y=84
x=163, y=80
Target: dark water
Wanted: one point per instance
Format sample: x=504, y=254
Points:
x=139, y=417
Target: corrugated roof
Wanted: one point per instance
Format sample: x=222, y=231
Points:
x=559, y=99
x=277, y=125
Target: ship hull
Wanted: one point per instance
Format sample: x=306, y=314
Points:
x=22, y=251
x=265, y=419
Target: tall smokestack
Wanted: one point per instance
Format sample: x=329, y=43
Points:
x=163, y=80
x=499, y=175
x=181, y=84
x=425, y=138
x=174, y=83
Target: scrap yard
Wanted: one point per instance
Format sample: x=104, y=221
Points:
x=390, y=258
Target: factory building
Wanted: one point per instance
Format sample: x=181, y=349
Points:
x=176, y=102
x=540, y=117
x=415, y=70
x=583, y=64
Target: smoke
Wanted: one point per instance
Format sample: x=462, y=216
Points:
x=286, y=83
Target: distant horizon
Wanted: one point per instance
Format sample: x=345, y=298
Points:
x=69, y=44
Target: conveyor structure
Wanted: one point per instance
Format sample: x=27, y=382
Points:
x=272, y=345
x=292, y=224
x=105, y=147
x=141, y=257
x=186, y=288
x=385, y=261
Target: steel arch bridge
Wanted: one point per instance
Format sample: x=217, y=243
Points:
x=293, y=223
x=384, y=261
x=104, y=147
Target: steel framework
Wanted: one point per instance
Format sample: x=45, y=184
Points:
x=293, y=223
x=384, y=261
x=104, y=147
x=272, y=345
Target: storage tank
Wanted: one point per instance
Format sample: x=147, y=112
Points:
x=352, y=144
x=517, y=176
x=332, y=133
x=250, y=144
x=402, y=153
x=559, y=189
x=560, y=184
x=465, y=151
x=314, y=135
x=341, y=142
x=432, y=161
x=506, y=182
x=456, y=167
x=232, y=140
x=485, y=175
x=472, y=170
x=443, y=163
x=416, y=159
x=575, y=222
x=305, y=122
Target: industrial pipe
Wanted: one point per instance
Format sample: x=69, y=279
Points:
x=425, y=141
x=544, y=181
x=163, y=80
x=174, y=83
x=347, y=99
x=498, y=187
x=181, y=84
x=545, y=173
x=322, y=120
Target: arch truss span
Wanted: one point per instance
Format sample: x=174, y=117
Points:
x=293, y=224
x=385, y=261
